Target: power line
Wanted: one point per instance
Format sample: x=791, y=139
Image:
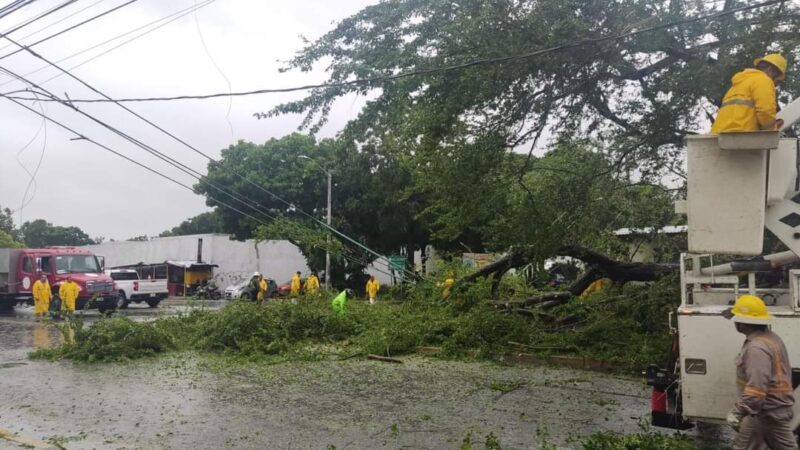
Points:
x=196, y=150
x=185, y=169
x=169, y=19
x=52, y=24
x=445, y=69
x=81, y=136
x=109, y=11
x=27, y=22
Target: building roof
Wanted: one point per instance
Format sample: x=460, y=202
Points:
x=190, y=264
x=669, y=229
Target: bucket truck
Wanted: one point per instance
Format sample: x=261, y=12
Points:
x=737, y=184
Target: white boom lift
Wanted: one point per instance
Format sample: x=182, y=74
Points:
x=738, y=183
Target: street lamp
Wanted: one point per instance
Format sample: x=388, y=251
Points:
x=327, y=249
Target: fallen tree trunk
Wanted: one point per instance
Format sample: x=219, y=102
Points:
x=600, y=266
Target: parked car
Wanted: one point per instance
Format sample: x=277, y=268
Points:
x=131, y=288
x=239, y=290
x=285, y=289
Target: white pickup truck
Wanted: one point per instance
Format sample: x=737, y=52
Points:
x=132, y=289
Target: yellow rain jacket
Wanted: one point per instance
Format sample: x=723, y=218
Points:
x=372, y=288
x=262, y=289
x=68, y=293
x=312, y=284
x=749, y=105
x=447, y=285
x=41, y=296
x=295, y=288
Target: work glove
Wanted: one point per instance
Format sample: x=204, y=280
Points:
x=734, y=419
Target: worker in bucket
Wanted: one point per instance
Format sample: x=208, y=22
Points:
x=372, y=289
x=294, y=288
x=41, y=296
x=750, y=104
x=68, y=291
x=763, y=412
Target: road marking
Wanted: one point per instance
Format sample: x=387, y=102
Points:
x=25, y=441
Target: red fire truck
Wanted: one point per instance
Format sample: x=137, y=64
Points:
x=21, y=267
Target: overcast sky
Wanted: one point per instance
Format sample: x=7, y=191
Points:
x=80, y=184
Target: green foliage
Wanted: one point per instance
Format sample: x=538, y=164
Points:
x=625, y=326
x=311, y=240
x=642, y=441
x=40, y=233
x=116, y=339
x=7, y=241
x=637, y=97
x=207, y=222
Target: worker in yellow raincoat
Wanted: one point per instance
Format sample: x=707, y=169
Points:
x=41, y=296
x=262, y=288
x=750, y=105
x=448, y=284
x=295, y=285
x=69, y=294
x=312, y=284
x=372, y=289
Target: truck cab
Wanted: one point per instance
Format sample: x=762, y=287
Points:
x=24, y=266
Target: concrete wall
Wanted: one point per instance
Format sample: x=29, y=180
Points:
x=236, y=260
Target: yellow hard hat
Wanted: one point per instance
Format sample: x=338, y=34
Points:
x=750, y=309
x=776, y=60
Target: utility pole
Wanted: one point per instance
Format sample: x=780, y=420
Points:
x=327, y=249
x=328, y=238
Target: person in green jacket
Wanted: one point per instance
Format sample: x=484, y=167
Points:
x=340, y=301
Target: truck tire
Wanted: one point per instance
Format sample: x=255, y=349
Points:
x=153, y=303
x=122, y=301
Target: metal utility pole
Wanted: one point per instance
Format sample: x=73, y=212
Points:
x=330, y=191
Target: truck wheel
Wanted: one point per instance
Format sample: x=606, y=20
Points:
x=153, y=303
x=122, y=301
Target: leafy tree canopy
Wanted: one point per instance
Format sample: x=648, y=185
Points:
x=40, y=233
x=207, y=222
x=635, y=97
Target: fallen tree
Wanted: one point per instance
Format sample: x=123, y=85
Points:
x=598, y=266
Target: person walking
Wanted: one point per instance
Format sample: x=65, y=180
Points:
x=294, y=288
x=254, y=287
x=41, y=296
x=312, y=284
x=763, y=413
x=68, y=292
x=750, y=104
x=262, y=288
x=372, y=289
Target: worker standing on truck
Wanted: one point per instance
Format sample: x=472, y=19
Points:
x=763, y=412
x=372, y=289
x=41, y=296
x=69, y=294
x=295, y=286
x=750, y=105
x=312, y=284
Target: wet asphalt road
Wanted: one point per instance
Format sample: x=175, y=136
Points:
x=186, y=401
